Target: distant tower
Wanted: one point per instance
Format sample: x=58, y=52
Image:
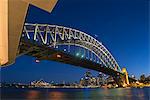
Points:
x=100, y=78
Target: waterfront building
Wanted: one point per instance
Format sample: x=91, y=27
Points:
x=40, y=83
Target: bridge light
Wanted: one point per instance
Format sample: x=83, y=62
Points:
x=37, y=61
x=86, y=77
x=117, y=73
x=82, y=56
x=77, y=54
x=58, y=56
x=64, y=49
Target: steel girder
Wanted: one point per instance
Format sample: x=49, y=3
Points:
x=53, y=35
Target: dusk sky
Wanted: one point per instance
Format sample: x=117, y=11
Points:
x=121, y=25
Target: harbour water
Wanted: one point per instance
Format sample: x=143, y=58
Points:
x=75, y=94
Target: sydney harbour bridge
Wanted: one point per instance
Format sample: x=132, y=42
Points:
x=61, y=44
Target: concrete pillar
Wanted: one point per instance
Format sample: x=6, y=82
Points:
x=3, y=31
x=122, y=79
x=12, y=17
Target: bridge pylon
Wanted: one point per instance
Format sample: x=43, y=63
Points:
x=125, y=78
x=122, y=80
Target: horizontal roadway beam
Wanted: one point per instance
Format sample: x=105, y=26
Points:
x=46, y=53
x=42, y=52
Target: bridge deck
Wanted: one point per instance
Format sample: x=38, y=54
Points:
x=46, y=53
x=43, y=52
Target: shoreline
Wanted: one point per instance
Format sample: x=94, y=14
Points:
x=71, y=87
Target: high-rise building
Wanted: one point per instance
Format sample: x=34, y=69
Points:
x=88, y=79
x=100, y=79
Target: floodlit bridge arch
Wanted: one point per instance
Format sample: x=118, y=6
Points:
x=54, y=35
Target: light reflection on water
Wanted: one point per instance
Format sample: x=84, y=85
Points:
x=32, y=94
x=56, y=95
x=76, y=94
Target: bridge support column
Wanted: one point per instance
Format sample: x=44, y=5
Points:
x=122, y=80
x=125, y=77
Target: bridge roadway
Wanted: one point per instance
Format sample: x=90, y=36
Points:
x=42, y=52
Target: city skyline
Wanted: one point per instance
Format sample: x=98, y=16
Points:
x=121, y=26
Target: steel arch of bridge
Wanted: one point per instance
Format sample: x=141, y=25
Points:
x=53, y=35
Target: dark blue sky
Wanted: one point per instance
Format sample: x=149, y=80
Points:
x=121, y=25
